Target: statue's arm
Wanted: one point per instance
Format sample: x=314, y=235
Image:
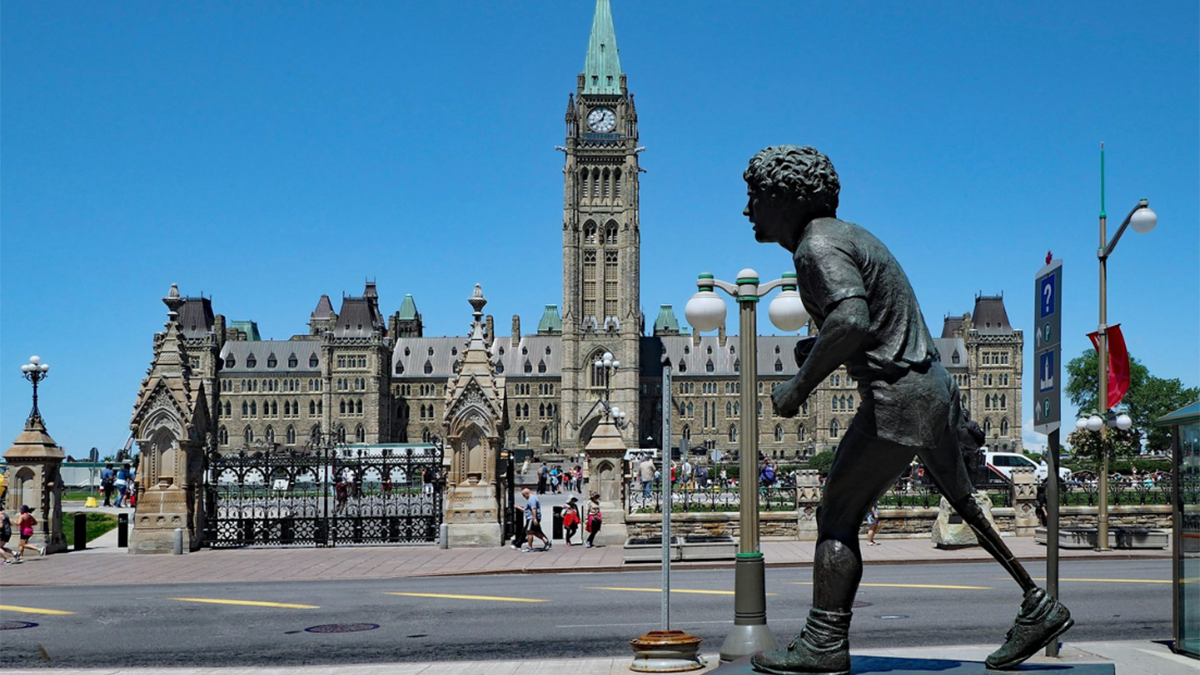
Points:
x=841, y=338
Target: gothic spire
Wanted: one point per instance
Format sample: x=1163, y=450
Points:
x=602, y=66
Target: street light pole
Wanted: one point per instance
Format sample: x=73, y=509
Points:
x=1143, y=220
x=35, y=371
x=706, y=311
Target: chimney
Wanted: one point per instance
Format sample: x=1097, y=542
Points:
x=490, y=330
x=721, y=334
x=516, y=331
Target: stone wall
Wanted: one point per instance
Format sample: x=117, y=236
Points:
x=777, y=525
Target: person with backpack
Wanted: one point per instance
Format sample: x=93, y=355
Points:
x=108, y=479
x=25, y=523
x=766, y=475
x=5, y=535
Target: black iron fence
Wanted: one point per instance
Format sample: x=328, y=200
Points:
x=711, y=499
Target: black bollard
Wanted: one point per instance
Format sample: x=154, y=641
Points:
x=123, y=530
x=558, y=526
x=80, y=531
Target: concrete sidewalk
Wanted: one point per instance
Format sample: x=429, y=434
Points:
x=105, y=564
x=1128, y=658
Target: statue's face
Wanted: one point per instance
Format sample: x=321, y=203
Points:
x=772, y=220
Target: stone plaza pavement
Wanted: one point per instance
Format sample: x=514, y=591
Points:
x=105, y=564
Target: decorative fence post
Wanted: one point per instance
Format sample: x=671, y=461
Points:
x=808, y=497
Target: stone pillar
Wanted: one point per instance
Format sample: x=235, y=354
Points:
x=808, y=497
x=34, y=480
x=1024, y=500
x=606, y=451
x=166, y=489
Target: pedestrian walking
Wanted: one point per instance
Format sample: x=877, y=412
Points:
x=342, y=494
x=594, y=519
x=543, y=477
x=571, y=519
x=579, y=479
x=6, y=531
x=108, y=479
x=25, y=523
x=533, y=522
x=873, y=524
x=124, y=482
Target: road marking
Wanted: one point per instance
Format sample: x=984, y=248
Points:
x=33, y=610
x=1113, y=581
x=494, y=598
x=659, y=590
x=248, y=603
x=941, y=586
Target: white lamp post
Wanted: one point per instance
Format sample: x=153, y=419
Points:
x=705, y=312
x=35, y=371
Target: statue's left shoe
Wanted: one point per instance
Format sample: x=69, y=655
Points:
x=822, y=648
x=1040, y=621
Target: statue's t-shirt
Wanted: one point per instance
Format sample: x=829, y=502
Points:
x=836, y=260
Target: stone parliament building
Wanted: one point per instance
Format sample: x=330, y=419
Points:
x=371, y=378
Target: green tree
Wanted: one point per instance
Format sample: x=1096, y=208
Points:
x=1148, y=398
x=821, y=462
x=1087, y=447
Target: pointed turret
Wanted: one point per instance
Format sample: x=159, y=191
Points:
x=602, y=66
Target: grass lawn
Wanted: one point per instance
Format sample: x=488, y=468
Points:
x=97, y=524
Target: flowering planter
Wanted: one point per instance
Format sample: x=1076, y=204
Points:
x=649, y=549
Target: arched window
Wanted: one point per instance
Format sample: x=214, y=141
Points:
x=248, y=436
x=312, y=408
x=358, y=406
x=245, y=409
x=733, y=433
x=522, y=437
x=800, y=433
x=270, y=435
x=541, y=366
x=834, y=429
x=583, y=184
x=851, y=402
x=687, y=433
x=275, y=408
x=223, y=436
x=360, y=434
x=428, y=367
x=778, y=366
x=254, y=408
x=833, y=403
x=691, y=411
x=760, y=408
x=1004, y=427
x=341, y=407
x=737, y=408
x=545, y=435
x=987, y=427
x=290, y=435
x=709, y=367
x=729, y=410
x=425, y=435
x=1003, y=401
x=778, y=433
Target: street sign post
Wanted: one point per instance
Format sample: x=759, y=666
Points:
x=1047, y=390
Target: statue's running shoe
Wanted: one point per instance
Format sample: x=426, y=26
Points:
x=822, y=648
x=1039, y=622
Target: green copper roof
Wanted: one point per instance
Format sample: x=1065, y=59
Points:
x=250, y=328
x=1186, y=414
x=551, y=322
x=602, y=67
x=408, y=308
x=666, y=319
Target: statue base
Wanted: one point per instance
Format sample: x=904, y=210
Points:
x=474, y=535
x=160, y=511
x=894, y=665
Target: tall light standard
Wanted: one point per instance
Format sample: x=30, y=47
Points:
x=706, y=311
x=35, y=371
x=1143, y=220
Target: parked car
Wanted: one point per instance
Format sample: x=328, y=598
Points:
x=1003, y=464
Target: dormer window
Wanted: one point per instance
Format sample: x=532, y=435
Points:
x=428, y=367
x=541, y=366
x=313, y=362
x=272, y=361
x=547, y=350
x=293, y=361
x=251, y=361
x=230, y=362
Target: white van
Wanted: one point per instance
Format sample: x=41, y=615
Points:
x=1003, y=464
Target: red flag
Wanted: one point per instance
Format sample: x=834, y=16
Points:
x=1118, y=364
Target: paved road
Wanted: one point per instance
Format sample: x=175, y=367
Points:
x=572, y=615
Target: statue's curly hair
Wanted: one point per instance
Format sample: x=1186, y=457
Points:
x=791, y=172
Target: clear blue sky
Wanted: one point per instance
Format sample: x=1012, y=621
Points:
x=266, y=153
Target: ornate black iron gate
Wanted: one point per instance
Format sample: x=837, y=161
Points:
x=327, y=497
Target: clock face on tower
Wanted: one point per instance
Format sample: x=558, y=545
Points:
x=602, y=120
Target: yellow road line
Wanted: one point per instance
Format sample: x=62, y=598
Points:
x=248, y=603
x=33, y=610
x=1114, y=581
x=941, y=586
x=494, y=598
x=659, y=590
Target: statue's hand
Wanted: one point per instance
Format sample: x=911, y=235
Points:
x=786, y=399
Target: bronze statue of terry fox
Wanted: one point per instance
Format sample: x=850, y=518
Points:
x=869, y=320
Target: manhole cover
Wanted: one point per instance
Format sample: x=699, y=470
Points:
x=858, y=604
x=893, y=617
x=342, y=628
x=16, y=625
